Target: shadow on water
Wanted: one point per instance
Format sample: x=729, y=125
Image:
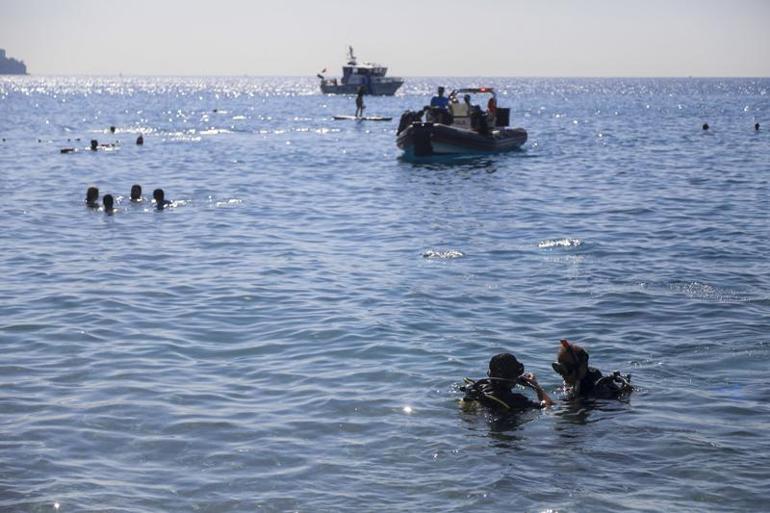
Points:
x=451, y=163
x=474, y=162
x=504, y=429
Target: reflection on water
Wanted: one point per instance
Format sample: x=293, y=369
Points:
x=506, y=430
x=579, y=411
x=459, y=163
x=503, y=429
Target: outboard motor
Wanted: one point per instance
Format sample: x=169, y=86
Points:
x=407, y=118
x=502, y=117
x=422, y=139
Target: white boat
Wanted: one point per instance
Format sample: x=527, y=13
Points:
x=368, y=75
x=462, y=128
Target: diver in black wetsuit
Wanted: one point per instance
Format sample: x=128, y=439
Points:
x=495, y=392
x=583, y=381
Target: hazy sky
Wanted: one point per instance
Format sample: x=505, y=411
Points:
x=412, y=37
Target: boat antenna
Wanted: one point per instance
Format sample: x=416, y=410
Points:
x=351, y=57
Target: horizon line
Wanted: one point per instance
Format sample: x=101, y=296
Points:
x=310, y=76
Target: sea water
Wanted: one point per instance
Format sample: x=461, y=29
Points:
x=290, y=336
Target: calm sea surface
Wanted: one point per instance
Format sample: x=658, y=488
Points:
x=291, y=335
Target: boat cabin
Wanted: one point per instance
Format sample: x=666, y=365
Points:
x=354, y=73
x=359, y=73
x=368, y=75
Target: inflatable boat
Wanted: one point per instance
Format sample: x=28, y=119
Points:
x=463, y=128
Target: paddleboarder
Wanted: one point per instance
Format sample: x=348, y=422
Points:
x=360, y=102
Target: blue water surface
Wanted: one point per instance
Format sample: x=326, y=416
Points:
x=291, y=334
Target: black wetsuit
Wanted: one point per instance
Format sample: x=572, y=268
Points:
x=595, y=385
x=497, y=396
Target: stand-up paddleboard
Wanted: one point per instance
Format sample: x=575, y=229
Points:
x=362, y=118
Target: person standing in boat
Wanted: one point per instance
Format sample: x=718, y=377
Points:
x=438, y=112
x=492, y=111
x=360, y=102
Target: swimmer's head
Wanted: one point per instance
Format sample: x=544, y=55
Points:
x=140, y=140
x=705, y=126
x=92, y=194
x=136, y=192
x=160, y=199
x=108, y=202
x=94, y=144
x=571, y=363
x=506, y=366
x=112, y=129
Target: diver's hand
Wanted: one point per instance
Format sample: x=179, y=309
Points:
x=529, y=379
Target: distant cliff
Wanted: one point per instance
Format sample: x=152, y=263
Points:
x=11, y=66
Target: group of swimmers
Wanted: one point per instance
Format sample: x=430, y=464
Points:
x=95, y=146
x=108, y=201
x=139, y=139
x=580, y=381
